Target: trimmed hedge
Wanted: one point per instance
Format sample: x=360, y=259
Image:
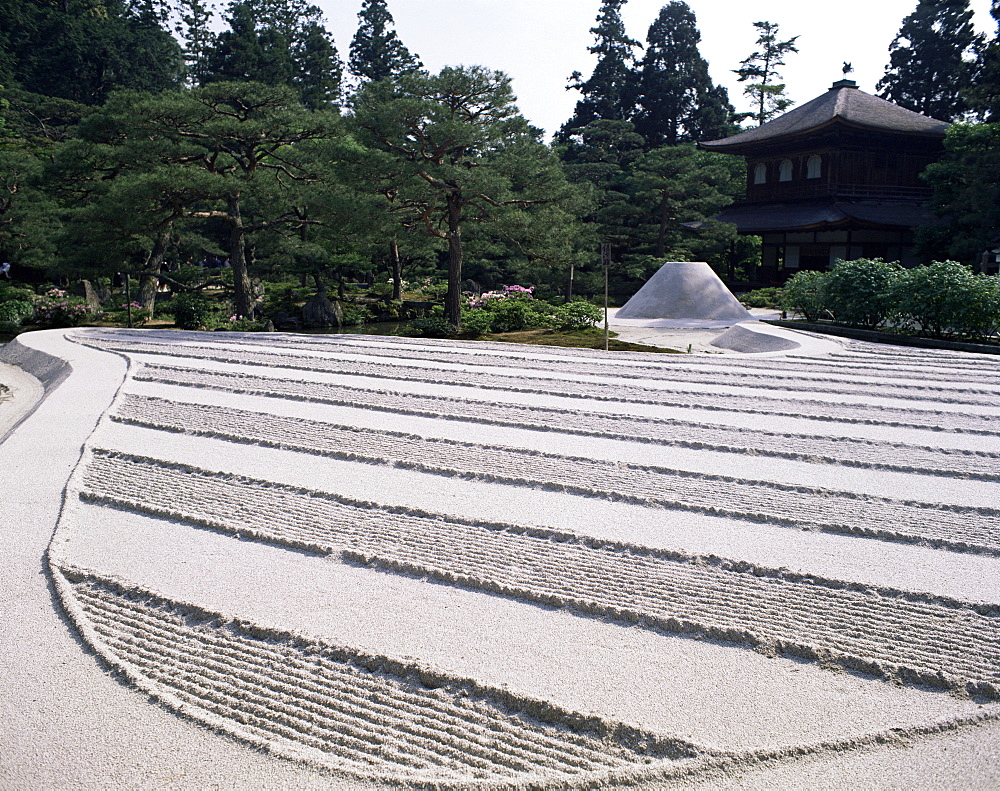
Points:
x=943, y=300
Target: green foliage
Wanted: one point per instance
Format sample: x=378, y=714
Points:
x=476, y=321
x=966, y=183
x=10, y=290
x=805, y=293
x=380, y=290
x=354, y=314
x=434, y=325
x=279, y=43
x=764, y=297
x=672, y=185
x=376, y=51
x=578, y=315
x=945, y=300
x=983, y=96
x=234, y=153
x=462, y=155
x=242, y=325
x=121, y=315
x=677, y=100
x=931, y=61
x=760, y=70
x=510, y=315
x=82, y=50
x=609, y=93
x=9, y=330
x=194, y=311
x=14, y=311
x=857, y=292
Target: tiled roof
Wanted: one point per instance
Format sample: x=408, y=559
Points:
x=845, y=103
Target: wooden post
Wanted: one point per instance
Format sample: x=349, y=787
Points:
x=606, y=263
x=128, y=301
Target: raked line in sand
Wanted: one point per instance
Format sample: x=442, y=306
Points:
x=451, y=564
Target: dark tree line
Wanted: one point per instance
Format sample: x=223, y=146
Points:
x=124, y=146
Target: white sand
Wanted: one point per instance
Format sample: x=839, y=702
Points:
x=827, y=624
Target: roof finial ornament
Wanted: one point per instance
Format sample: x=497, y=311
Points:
x=848, y=68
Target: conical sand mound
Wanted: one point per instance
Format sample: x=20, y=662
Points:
x=684, y=290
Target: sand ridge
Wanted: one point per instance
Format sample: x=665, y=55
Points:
x=440, y=710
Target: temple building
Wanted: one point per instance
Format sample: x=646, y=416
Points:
x=837, y=177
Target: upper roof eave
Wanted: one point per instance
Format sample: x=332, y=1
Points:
x=843, y=104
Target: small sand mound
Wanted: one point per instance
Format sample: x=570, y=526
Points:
x=745, y=339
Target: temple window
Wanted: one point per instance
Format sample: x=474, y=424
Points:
x=814, y=167
x=760, y=173
x=785, y=170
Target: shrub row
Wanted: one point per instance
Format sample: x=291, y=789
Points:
x=510, y=310
x=943, y=300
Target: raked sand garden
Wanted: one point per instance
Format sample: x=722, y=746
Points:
x=263, y=561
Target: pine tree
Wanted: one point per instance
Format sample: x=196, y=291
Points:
x=930, y=61
x=761, y=70
x=677, y=100
x=464, y=154
x=376, y=51
x=609, y=94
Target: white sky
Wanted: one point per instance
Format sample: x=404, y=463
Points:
x=539, y=43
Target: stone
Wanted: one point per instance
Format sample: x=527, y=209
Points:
x=321, y=311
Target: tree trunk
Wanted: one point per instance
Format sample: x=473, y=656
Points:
x=453, y=299
x=396, y=269
x=151, y=282
x=569, y=282
x=241, y=281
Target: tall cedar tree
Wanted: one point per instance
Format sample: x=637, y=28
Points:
x=193, y=25
x=609, y=93
x=677, y=100
x=376, y=51
x=760, y=70
x=984, y=95
x=83, y=49
x=277, y=42
x=931, y=60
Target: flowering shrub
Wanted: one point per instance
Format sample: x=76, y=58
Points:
x=490, y=298
x=55, y=308
x=429, y=288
